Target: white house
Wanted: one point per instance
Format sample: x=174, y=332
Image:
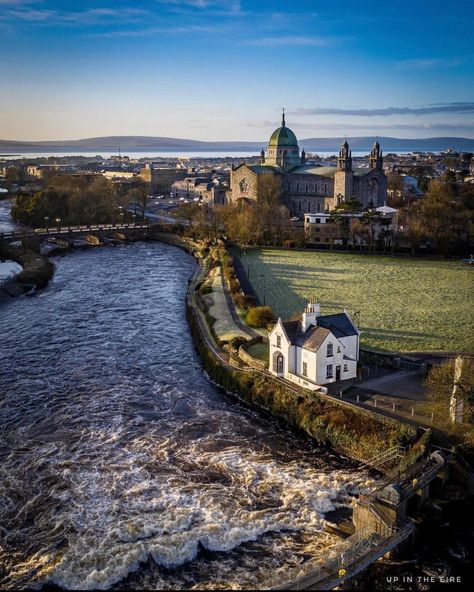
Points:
x=315, y=351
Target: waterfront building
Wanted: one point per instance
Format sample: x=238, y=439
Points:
x=316, y=350
x=308, y=188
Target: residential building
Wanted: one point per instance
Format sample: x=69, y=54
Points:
x=316, y=350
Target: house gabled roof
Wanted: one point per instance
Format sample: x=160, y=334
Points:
x=311, y=339
x=340, y=324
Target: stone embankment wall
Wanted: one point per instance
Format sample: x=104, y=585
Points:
x=37, y=271
x=247, y=358
x=356, y=432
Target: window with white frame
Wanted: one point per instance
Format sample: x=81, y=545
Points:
x=330, y=350
x=329, y=371
x=278, y=340
x=305, y=369
x=338, y=349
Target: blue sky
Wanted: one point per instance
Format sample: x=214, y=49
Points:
x=222, y=69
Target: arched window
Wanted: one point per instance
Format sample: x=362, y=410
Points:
x=278, y=363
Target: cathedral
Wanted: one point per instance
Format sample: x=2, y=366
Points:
x=308, y=188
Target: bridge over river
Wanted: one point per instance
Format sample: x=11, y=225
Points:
x=67, y=231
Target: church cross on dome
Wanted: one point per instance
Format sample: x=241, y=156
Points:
x=283, y=124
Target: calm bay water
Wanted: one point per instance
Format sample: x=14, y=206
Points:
x=167, y=154
x=120, y=463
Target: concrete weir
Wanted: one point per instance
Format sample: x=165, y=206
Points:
x=383, y=520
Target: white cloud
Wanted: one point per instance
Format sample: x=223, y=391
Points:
x=291, y=40
x=427, y=63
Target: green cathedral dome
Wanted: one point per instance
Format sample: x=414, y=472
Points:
x=283, y=136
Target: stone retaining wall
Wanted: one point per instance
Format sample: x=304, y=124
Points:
x=247, y=358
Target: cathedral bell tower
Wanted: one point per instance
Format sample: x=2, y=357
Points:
x=344, y=177
x=376, y=158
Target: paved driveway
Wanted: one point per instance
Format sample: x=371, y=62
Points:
x=406, y=384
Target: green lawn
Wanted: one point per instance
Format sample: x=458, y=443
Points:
x=403, y=304
x=259, y=351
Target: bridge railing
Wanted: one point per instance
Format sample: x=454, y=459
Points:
x=385, y=457
x=342, y=561
x=55, y=230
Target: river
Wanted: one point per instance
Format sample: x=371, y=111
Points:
x=121, y=465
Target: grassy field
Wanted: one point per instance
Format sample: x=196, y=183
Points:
x=401, y=304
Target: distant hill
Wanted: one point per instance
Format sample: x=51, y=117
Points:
x=137, y=143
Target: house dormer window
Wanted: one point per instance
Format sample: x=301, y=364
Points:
x=330, y=350
x=278, y=340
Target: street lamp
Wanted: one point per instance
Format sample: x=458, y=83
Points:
x=58, y=222
x=264, y=288
x=134, y=216
x=46, y=219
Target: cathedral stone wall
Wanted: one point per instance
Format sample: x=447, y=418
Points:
x=243, y=182
x=303, y=189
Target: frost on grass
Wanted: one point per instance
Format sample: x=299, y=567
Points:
x=403, y=304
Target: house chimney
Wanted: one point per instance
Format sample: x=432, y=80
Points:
x=311, y=314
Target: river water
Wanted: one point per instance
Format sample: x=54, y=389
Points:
x=121, y=465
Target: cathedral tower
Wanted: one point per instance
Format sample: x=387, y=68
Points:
x=376, y=158
x=344, y=176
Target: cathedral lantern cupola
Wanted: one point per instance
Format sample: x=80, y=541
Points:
x=283, y=150
x=376, y=158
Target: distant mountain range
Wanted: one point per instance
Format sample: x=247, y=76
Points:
x=139, y=143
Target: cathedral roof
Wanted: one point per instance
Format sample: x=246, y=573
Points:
x=283, y=136
x=264, y=168
x=315, y=170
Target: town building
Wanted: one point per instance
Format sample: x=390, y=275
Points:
x=324, y=229
x=308, y=188
x=209, y=191
x=41, y=171
x=160, y=179
x=316, y=350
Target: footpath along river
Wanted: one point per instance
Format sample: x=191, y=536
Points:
x=121, y=465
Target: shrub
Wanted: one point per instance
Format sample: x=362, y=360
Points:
x=260, y=316
x=234, y=286
x=244, y=302
x=205, y=289
x=229, y=273
x=236, y=342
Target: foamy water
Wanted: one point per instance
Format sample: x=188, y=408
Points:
x=121, y=465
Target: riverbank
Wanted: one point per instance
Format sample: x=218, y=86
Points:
x=355, y=432
x=36, y=273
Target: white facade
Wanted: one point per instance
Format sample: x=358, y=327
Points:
x=315, y=351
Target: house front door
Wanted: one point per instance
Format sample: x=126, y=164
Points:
x=338, y=373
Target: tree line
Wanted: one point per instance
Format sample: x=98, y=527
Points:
x=78, y=200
